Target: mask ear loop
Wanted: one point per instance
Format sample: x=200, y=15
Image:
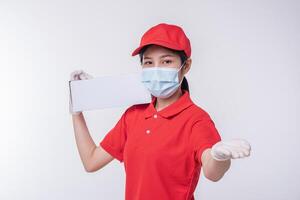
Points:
x=181, y=66
x=180, y=69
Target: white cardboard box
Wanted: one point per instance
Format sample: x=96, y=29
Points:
x=108, y=91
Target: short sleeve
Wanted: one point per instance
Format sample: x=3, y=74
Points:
x=114, y=141
x=204, y=135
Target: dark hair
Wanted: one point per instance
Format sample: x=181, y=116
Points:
x=183, y=57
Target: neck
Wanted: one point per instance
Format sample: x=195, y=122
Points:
x=162, y=103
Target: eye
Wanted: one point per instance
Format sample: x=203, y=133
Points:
x=147, y=62
x=167, y=61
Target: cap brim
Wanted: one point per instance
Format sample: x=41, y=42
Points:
x=137, y=50
x=160, y=43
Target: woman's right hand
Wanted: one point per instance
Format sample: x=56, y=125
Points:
x=77, y=75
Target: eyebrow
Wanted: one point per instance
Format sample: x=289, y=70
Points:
x=166, y=55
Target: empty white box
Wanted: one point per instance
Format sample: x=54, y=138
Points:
x=108, y=91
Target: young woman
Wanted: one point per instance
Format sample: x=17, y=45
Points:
x=163, y=144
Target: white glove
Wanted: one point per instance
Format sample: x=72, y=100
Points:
x=236, y=148
x=77, y=75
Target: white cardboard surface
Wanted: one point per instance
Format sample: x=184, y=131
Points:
x=108, y=91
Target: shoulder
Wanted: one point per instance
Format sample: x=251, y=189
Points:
x=135, y=109
x=199, y=113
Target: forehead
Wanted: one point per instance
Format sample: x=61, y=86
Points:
x=156, y=50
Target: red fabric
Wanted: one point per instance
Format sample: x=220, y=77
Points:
x=167, y=35
x=163, y=162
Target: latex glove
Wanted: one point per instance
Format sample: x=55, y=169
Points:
x=236, y=148
x=77, y=75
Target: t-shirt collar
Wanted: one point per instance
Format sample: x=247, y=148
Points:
x=174, y=108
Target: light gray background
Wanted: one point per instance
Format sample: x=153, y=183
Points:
x=245, y=74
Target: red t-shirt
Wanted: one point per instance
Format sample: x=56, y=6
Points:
x=161, y=150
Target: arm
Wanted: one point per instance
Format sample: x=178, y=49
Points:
x=216, y=160
x=92, y=157
x=213, y=170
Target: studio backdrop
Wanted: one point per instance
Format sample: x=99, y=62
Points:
x=245, y=73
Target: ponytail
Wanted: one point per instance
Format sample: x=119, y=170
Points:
x=185, y=84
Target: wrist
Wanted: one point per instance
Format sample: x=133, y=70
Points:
x=218, y=155
x=76, y=113
x=219, y=159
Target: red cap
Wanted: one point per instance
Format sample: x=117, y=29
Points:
x=166, y=35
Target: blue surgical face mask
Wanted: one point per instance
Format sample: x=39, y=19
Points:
x=161, y=82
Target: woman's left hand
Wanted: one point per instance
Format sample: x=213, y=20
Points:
x=236, y=148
